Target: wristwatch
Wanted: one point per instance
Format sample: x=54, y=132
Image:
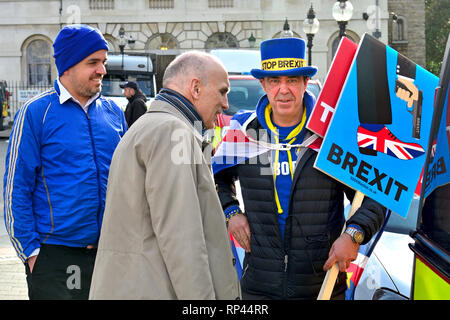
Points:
x=356, y=234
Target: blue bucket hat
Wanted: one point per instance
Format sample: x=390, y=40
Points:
x=74, y=43
x=283, y=57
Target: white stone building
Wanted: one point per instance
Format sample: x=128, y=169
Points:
x=28, y=27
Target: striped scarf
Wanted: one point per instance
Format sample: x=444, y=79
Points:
x=183, y=105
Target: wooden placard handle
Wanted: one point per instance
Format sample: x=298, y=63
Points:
x=332, y=273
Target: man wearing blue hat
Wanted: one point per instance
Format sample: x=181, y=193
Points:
x=57, y=167
x=294, y=214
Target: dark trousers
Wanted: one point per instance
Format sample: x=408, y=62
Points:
x=61, y=273
x=374, y=102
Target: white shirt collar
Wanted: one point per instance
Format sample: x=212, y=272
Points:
x=65, y=95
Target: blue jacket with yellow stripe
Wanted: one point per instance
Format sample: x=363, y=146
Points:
x=56, y=171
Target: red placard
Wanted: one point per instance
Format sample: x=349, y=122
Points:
x=326, y=103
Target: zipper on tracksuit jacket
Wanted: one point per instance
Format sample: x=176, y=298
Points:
x=96, y=167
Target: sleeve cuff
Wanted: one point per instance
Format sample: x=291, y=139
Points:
x=34, y=253
x=357, y=227
x=231, y=211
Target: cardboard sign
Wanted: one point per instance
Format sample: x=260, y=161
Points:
x=326, y=102
x=438, y=160
x=377, y=140
x=438, y=156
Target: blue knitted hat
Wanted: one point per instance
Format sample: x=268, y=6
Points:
x=283, y=57
x=74, y=43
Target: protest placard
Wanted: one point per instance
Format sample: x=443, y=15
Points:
x=372, y=144
x=323, y=111
x=438, y=157
x=376, y=142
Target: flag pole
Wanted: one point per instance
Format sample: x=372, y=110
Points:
x=332, y=273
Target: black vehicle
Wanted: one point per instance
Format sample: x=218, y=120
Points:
x=4, y=101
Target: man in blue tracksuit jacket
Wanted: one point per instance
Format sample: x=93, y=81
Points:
x=57, y=167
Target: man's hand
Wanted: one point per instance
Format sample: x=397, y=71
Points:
x=31, y=261
x=342, y=252
x=240, y=230
x=408, y=96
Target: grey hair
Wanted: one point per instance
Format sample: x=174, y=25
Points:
x=188, y=65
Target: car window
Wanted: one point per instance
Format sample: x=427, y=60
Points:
x=244, y=95
x=111, y=86
x=314, y=88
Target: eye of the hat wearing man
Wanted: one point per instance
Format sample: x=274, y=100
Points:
x=290, y=79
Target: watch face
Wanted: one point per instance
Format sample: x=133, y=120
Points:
x=358, y=236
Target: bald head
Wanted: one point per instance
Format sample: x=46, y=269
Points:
x=189, y=65
x=202, y=79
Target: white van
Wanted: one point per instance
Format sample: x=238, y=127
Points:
x=122, y=68
x=238, y=61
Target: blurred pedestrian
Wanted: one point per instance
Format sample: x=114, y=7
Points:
x=57, y=167
x=136, y=106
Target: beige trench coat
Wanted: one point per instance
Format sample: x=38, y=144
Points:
x=164, y=234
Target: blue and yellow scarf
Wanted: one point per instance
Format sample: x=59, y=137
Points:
x=283, y=160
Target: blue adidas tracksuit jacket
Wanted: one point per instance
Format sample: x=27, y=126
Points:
x=56, y=171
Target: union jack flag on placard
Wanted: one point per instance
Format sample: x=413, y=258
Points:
x=371, y=142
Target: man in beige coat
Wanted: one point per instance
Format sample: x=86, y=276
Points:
x=164, y=233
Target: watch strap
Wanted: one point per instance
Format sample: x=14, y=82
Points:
x=356, y=233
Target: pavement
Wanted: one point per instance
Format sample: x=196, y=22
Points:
x=5, y=133
x=13, y=284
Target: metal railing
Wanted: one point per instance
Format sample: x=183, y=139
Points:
x=20, y=92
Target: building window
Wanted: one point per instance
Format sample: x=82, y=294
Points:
x=221, y=40
x=101, y=4
x=399, y=30
x=220, y=3
x=38, y=55
x=162, y=41
x=161, y=4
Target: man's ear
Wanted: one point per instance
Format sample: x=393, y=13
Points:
x=306, y=79
x=263, y=84
x=195, y=88
x=65, y=74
